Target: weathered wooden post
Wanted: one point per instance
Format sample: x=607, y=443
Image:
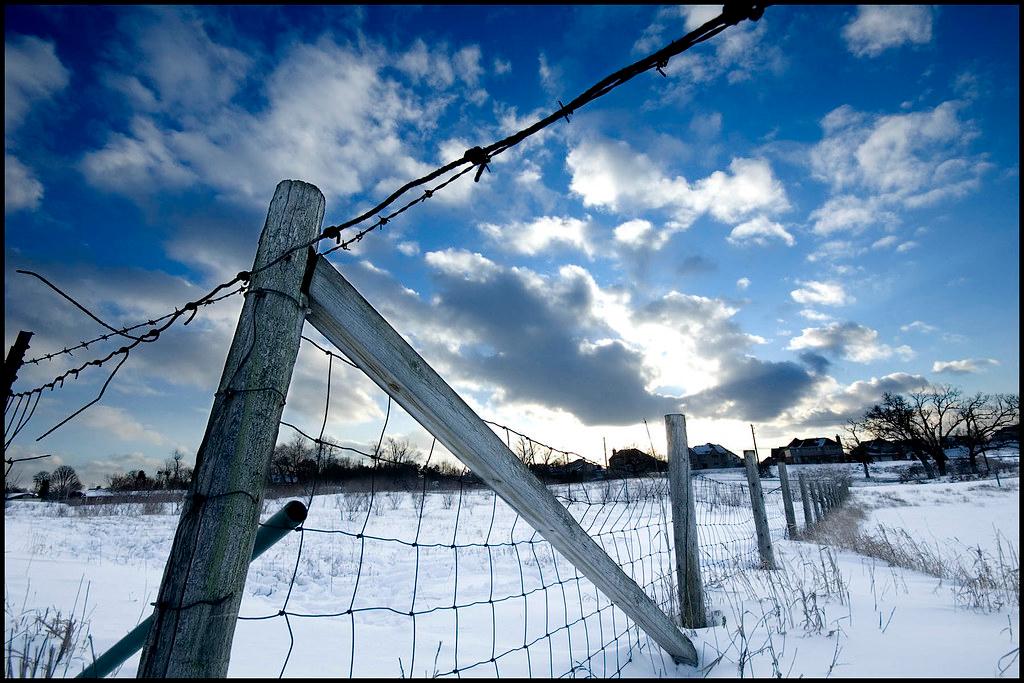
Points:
x=203, y=581
x=787, y=502
x=14, y=360
x=805, y=500
x=819, y=510
x=692, y=609
x=764, y=537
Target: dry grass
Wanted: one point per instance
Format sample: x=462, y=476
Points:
x=45, y=644
x=979, y=579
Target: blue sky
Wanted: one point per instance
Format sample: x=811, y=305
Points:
x=806, y=211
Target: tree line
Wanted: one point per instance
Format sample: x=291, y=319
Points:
x=928, y=422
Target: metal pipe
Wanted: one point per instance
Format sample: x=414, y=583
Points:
x=285, y=520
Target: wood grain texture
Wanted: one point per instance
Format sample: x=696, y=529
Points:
x=205, y=574
x=689, y=582
x=764, y=536
x=787, y=501
x=342, y=315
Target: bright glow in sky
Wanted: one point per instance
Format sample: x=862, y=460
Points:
x=803, y=213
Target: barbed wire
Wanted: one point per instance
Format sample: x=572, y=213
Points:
x=480, y=157
x=477, y=157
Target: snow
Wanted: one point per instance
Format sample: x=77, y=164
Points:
x=865, y=618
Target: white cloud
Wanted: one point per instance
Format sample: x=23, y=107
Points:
x=698, y=15
x=877, y=28
x=613, y=176
x=22, y=190
x=409, y=248
x=909, y=159
x=850, y=340
x=186, y=70
x=885, y=242
x=119, y=423
x=470, y=266
x=918, y=326
x=964, y=366
x=707, y=126
x=834, y=250
x=550, y=76
x=906, y=246
x=634, y=233
x=142, y=161
x=850, y=213
x=540, y=234
x=759, y=231
x=331, y=118
x=821, y=293
x=743, y=283
x=814, y=315
x=32, y=72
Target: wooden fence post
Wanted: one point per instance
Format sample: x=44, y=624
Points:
x=819, y=510
x=204, y=578
x=342, y=315
x=684, y=525
x=764, y=536
x=15, y=357
x=805, y=500
x=787, y=501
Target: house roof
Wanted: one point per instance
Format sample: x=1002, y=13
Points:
x=818, y=442
x=712, y=448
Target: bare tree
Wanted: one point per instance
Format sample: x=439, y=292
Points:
x=857, y=450
x=939, y=417
x=42, y=483
x=64, y=481
x=925, y=420
x=400, y=452
x=982, y=416
x=526, y=451
x=894, y=419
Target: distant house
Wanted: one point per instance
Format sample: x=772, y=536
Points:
x=632, y=461
x=1007, y=436
x=880, y=450
x=713, y=455
x=577, y=470
x=812, y=451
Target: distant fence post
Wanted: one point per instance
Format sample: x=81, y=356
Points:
x=819, y=509
x=204, y=578
x=805, y=500
x=684, y=525
x=348, y=320
x=764, y=536
x=787, y=501
x=14, y=360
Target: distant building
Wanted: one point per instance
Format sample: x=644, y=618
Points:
x=577, y=470
x=881, y=450
x=713, y=456
x=1007, y=436
x=811, y=451
x=632, y=461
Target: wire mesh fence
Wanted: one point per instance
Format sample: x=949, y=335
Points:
x=409, y=573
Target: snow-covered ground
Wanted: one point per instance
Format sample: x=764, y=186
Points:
x=826, y=613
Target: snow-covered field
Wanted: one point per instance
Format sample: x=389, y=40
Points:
x=826, y=613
